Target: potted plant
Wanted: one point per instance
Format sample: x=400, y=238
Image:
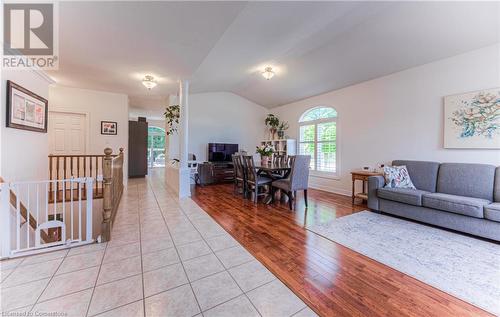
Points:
x=283, y=126
x=265, y=152
x=272, y=122
x=172, y=114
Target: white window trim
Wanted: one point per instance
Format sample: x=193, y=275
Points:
x=322, y=174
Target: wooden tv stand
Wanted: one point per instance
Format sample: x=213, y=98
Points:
x=223, y=172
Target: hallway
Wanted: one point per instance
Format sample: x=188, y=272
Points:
x=166, y=258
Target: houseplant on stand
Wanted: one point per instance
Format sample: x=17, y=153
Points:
x=283, y=126
x=265, y=152
x=272, y=122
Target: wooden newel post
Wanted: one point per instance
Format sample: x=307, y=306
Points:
x=120, y=176
x=107, y=199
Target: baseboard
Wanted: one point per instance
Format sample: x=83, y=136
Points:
x=329, y=189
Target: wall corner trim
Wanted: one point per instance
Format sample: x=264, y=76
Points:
x=42, y=75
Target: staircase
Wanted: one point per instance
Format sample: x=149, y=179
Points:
x=67, y=166
x=46, y=237
x=107, y=186
x=38, y=216
x=30, y=224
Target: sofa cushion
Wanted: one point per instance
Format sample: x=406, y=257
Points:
x=492, y=212
x=402, y=195
x=496, y=190
x=471, y=180
x=397, y=177
x=467, y=206
x=423, y=174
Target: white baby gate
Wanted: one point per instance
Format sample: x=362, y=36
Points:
x=39, y=216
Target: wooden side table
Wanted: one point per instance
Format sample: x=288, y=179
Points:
x=361, y=176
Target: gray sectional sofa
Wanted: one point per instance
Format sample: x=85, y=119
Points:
x=458, y=196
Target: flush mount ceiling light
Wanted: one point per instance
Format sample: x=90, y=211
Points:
x=149, y=82
x=268, y=73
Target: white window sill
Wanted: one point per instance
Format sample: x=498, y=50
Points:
x=327, y=175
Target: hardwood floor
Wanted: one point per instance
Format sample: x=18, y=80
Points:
x=332, y=279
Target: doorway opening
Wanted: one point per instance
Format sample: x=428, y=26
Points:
x=156, y=147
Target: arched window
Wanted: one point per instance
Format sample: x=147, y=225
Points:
x=318, y=138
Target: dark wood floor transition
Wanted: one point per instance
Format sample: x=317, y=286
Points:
x=332, y=279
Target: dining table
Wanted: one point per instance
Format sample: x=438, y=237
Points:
x=274, y=171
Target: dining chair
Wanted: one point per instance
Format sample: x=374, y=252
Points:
x=253, y=180
x=298, y=179
x=239, y=174
x=279, y=159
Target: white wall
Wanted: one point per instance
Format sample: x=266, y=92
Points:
x=23, y=153
x=98, y=106
x=400, y=116
x=224, y=118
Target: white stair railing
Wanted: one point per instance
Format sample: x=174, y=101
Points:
x=34, y=219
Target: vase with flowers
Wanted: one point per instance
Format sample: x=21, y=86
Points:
x=282, y=127
x=265, y=151
x=272, y=122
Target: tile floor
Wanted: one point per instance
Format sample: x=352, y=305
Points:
x=167, y=257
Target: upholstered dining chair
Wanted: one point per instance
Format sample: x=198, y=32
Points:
x=298, y=179
x=239, y=174
x=253, y=180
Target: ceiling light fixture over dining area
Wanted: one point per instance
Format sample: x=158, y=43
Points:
x=149, y=82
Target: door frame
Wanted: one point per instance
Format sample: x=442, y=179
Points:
x=150, y=163
x=87, y=124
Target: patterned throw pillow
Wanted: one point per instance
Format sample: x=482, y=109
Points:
x=397, y=177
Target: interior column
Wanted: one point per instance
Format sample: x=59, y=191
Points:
x=183, y=123
x=184, y=172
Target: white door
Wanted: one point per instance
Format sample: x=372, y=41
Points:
x=67, y=133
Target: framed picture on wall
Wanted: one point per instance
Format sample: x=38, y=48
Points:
x=109, y=128
x=472, y=120
x=25, y=109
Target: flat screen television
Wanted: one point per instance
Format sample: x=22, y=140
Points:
x=221, y=152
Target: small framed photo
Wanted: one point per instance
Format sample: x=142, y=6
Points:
x=25, y=109
x=109, y=128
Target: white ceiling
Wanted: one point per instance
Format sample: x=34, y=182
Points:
x=224, y=46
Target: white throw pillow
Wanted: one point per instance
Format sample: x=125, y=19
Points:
x=397, y=177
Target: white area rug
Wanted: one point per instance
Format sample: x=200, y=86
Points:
x=462, y=266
